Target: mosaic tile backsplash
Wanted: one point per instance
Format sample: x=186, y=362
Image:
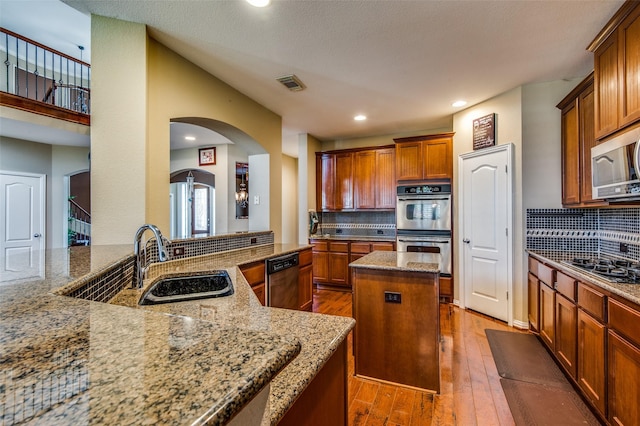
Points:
x=358, y=224
x=608, y=232
x=104, y=286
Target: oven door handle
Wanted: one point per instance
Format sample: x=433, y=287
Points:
x=422, y=240
x=418, y=198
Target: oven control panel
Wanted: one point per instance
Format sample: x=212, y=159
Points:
x=424, y=189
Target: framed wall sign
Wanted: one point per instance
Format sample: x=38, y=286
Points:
x=207, y=156
x=484, y=131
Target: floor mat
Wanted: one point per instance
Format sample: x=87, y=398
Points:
x=521, y=356
x=537, y=391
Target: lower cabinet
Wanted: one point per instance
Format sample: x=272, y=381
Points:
x=254, y=273
x=305, y=281
x=534, y=297
x=566, y=333
x=624, y=381
x=548, y=315
x=591, y=373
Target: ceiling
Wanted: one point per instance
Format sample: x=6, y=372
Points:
x=400, y=63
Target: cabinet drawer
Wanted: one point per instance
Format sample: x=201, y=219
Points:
x=253, y=272
x=320, y=245
x=592, y=301
x=339, y=247
x=624, y=319
x=382, y=246
x=533, y=266
x=305, y=257
x=566, y=286
x=546, y=274
x=360, y=248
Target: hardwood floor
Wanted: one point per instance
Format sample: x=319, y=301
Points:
x=471, y=393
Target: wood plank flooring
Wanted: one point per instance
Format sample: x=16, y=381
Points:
x=471, y=393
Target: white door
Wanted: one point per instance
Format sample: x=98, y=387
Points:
x=22, y=204
x=486, y=217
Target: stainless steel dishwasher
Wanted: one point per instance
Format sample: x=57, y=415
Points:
x=282, y=281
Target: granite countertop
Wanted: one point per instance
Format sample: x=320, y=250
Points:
x=630, y=292
x=372, y=238
x=399, y=261
x=70, y=361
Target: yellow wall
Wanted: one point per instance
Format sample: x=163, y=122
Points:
x=138, y=86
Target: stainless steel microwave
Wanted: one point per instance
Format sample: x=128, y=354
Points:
x=615, y=167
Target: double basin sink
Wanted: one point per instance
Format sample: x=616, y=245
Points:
x=179, y=289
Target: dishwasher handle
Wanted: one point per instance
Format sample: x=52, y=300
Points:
x=280, y=263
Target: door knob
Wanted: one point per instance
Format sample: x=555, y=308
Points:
x=36, y=235
x=466, y=241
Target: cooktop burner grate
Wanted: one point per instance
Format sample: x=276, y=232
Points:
x=618, y=271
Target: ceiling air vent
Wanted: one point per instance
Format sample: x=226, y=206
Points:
x=291, y=82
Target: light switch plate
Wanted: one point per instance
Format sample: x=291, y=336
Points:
x=256, y=199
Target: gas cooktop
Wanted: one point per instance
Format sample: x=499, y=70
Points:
x=616, y=271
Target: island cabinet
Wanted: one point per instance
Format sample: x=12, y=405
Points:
x=427, y=157
x=617, y=71
x=624, y=364
x=331, y=263
x=305, y=280
x=577, y=139
x=254, y=273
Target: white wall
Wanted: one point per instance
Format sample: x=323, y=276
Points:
x=307, y=148
x=541, y=131
x=259, y=178
x=65, y=161
x=290, y=194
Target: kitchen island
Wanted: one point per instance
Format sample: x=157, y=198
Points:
x=396, y=307
x=73, y=361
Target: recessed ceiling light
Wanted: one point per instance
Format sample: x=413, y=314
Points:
x=190, y=138
x=259, y=3
x=360, y=117
x=458, y=104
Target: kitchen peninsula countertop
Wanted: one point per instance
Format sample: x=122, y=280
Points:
x=73, y=361
x=399, y=261
x=630, y=292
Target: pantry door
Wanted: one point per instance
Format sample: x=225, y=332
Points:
x=22, y=242
x=486, y=213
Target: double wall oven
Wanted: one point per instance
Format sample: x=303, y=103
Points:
x=423, y=221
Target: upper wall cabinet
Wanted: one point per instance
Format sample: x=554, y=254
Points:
x=617, y=71
x=424, y=157
x=577, y=140
x=357, y=179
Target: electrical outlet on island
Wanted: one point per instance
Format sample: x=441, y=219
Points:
x=624, y=248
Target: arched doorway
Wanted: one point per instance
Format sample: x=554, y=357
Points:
x=192, y=197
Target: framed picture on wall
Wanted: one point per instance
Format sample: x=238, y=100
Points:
x=207, y=156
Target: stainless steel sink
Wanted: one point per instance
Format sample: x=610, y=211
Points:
x=179, y=289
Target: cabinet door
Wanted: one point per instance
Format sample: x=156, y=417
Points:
x=305, y=288
x=606, y=87
x=382, y=246
x=320, y=266
x=364, y=170
x=326, y=183
x=385, y=175
x=547, y=315
x=624, y=381
x=591, y=373
x=629, y=63
x=570, y=155
x=344, y=181
x=533, y=303
x=409, y=161
x=339, y=268
x=587, y=141
x=566, y=333
x=436, y=158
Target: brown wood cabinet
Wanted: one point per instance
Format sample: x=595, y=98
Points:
x=578, y=138
x=331, y=263
x=254, y=273
x=424, y=157
x=533, y=301
x=305, y=280
x=617, y=71
x=595, y=338
x=359, y=179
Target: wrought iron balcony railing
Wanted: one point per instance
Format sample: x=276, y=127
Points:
x=43, y=80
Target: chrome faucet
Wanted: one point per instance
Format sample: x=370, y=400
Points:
x=139, y=270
